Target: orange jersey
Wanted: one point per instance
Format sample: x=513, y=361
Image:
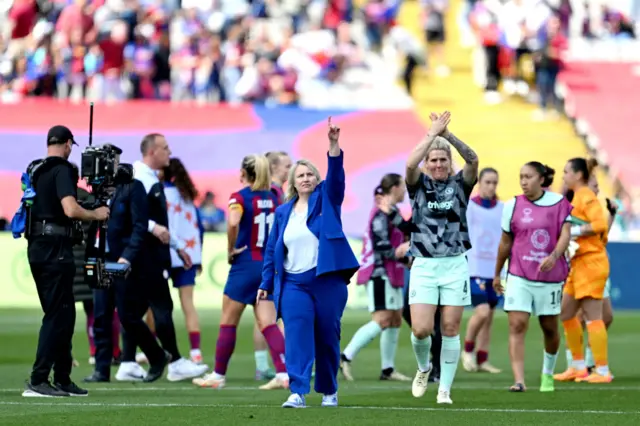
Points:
x=588, y=209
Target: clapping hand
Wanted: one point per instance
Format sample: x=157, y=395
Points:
x=334, y=132
x=439, y=123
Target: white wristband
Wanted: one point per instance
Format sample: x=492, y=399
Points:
x=576, y=230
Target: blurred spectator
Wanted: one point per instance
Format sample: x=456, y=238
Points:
x=548, y=61
x=213, y=217
x=435, y=32
x=262, y=51
x=518, y=57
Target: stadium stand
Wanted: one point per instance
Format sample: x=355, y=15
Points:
x=268, y=52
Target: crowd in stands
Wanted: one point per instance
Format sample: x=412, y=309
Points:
x=204, y=50
x=521, y=44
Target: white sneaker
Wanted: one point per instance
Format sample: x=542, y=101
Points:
x=399, y=377
x=444, y=397
x=469, y=361
x=130, y=372
x=488, y=368
x=184, y=369
x=212, y=380
x=295, y=401
x=281, y=381
x=141, y=358
x=420, y=382
x=345, y=369
x=330, y=400
x=196, y=356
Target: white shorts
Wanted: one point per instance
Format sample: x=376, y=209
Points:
x=535, y=298
x=607, y=289
x=440, y=281
x=383, y=296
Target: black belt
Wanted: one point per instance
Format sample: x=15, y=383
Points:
x=51, y=229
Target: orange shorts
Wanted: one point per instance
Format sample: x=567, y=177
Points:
x=587, y=277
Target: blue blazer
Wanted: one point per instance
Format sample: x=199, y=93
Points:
x=334, y=254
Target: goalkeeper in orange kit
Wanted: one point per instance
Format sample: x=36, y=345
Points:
x=584, y=288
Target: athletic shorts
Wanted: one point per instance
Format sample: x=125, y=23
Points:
x=482, y=292
x=181, y=277
x=440, y=281
x=383, y=296
x=535, y=298
x=243, y=282
x=588, y=276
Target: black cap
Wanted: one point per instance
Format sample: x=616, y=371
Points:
x=59, y=135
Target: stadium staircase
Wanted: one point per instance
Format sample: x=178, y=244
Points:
x=504, y=135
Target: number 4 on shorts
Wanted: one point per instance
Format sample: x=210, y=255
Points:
x=466, y=287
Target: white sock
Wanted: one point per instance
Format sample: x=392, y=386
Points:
x=588, y=357
x=388, y=346
x=421, y=349
x=362, y=338
x=449, y=357
x=549, y=363
x=569, y=357
x=262, y=360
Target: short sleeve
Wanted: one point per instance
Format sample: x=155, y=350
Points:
x=507, y=215
x=236, y=202
x=413, y=189
x=65, y=184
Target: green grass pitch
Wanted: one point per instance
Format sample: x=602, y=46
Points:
x=478, y=397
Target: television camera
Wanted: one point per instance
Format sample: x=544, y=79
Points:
x=101, y=168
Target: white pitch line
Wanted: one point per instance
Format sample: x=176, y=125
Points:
x=142, y=388
x=353, y=407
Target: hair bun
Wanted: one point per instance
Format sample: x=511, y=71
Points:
x=549, y=171
x=592, y=163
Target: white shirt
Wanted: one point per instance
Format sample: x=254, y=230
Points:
x=302, y=245
x=485, y=233
x=183, y=225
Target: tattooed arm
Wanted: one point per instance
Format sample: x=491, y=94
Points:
x=470, y=171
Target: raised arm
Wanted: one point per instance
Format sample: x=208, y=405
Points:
x=335, y=181
x=268, y=267
x=470, y=170
x=438, y=126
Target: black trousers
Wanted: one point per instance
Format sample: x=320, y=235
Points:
x=436, y=337
x=129, y=297
x=54, y=283
x=157, y=296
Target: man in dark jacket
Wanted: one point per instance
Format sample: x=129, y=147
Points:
x=127, y=229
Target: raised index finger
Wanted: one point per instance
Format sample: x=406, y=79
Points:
x=329, y=121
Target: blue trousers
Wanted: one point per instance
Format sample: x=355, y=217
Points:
x=312, y=310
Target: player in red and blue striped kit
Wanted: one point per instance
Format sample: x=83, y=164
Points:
x=251, y=215
x=279, y=165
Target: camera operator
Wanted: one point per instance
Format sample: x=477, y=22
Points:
x=126, y=232
x=51, y=236
x=82, y=292
x=155, y=156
